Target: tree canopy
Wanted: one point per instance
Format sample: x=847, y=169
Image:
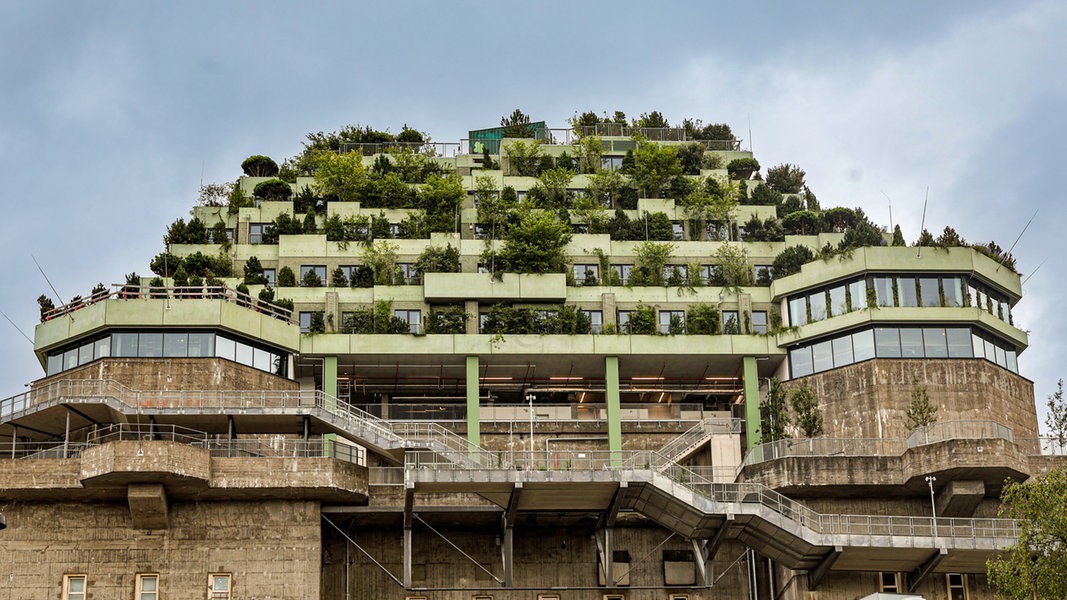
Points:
x=1036, y=566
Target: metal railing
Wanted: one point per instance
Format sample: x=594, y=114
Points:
x=1043, y=446
x=144, y=292
x=423, y=148
x=698, y=433
x=942, y=431
x=543, y=413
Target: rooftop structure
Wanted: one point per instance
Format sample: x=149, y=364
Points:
x=539, y=368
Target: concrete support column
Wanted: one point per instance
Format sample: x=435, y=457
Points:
x=329, y=377
x=611, y=381
x=474, y=414
x=752, y=417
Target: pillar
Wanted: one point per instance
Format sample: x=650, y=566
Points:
x=329, y=376
x=611, y=382
x=474, y=418
x=751, y=387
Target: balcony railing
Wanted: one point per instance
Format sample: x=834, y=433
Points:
x=520, y=413
x=144, y=292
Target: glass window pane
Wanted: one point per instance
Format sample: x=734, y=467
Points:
x=911, y=342
x=798, y=311
x=990, y=350
x=953, y=290
x=77, y=584
x=930, y=291
x=800, y=361
x=150, y=344
x=857, y=292
x=85, y=353
x=883, y=291
x=225, y=348
x=261, y=360
x=817, y=304
x=103, y=348
x=838, y=306
x=906, y=292
x=935, y=343
x=863, y=345
x=176, y=344
x=978, y=346
x=55, y=364
x=124, y=344
x=201, y=344
x=70, y=358
x=959, y=342
x=843, y=351
x=1001, y=359
x=759, y=321
x=244, y=354
x=822, y=356
x=887, y=342
x=1013, y=361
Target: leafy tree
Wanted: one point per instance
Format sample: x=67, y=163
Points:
x=259, y=166
x=310, y=226
x=806, y=408
x=1036, y=566
x=653, y=120
x=237, y=200
x=790, y=260
x=440, y=198
x=1056, y=419
x=517, y=125
x=863, y=233
x=839, y=218
x=691, y=156
x=710, y=202
x=273, y=189
x=643, y=320
x=523, y=158
x=742, y=168
x=46, y=305
x=606, y=187
x=253, y=271
x=411, y=136
x=802, y=222
x=286, y=278
x=732, y=270
x=786, y=179
x=339, y=175
x=337, y=278
x=702, y=319
x=774, y=413
x=381, y=258
x=762, y=195
x=311, y=279
x=898, y=237
x=654, y=165
x=435, y=259
x=536, y=243
x=553, y=185
x=449, y=319
x=214, y=194
x=651, y=258
x=658, y=226
x=921, y=412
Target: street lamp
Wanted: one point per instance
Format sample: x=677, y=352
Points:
x=930, y=479
x=530, y=398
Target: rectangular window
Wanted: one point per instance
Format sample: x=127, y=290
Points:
x=959, y=342
x=586, y=274
x=623, y=271
x=256, y=231
x=305, y=321
x=707, y=274
x=408, y=273
x=244, y=353
x=843, y=351
x=624, y=321
x=675, y=275
x=906, y=292
x=85, y=354
x=482, y=318
x=596, y=320
x=935, y=343
x=957, y=586
x=863, y=345
x=1012, y=360
x=147, y=587
x=218, y=586
x=731, y=325
x=953, y=291
x=883, y=291
x=798, y=311
x=911, y=342
x=412, y=317
x=800, y=362
x=201, y=344
x=55, y=364
x=822, y=356
x=270, y=275
x=70, y=358
x=889, y=582
x=175, y=344
x=887, y=342
x=857, y=295
x=150, y=345
x=929, y=291
x=676, y=229
x=123, y=344
x=838, y=305
x=102, y=348
x=672, y=321
x=225, y=348
x=762, y=274
x=74, y=587
x=759, y=321
x=319, y=270
x=817, y=305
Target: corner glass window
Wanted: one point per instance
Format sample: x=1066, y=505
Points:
x=842, y=348
x=817, y=305
x=201, y=344
x=225, y=348
x=798, y=311
x=959, y=342
x=883, y=291
x=102, y=348
x=863, y=345
x=857, y=294
x=800, y=361
x=887, y=342
x=838, y=305
x=953, y=290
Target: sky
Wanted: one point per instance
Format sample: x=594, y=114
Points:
x=113, y=113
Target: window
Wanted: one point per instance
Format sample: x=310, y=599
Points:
x=624, y=321
x=74, y=587
x=305, y=321
x=270, y=275
x=707, y=273
x=218, y=585
x=759, y=321
x=800, y=362
x=857, y=294
x=672, y=321
x=320, y=271
x=957, y=586
x=675, y=275
x=412, y=317
x=798, y=311
x=256, y=231
x=611, y=163
x=953, y=290
x=838, y=305
x=883, y=291
x=623, y=271
x=482, y=318
x=586, y=274
x=676, y=229
x=929, y=291
x=762, y=274
x=906, y=294
x=889, y=582
x=730, y=322
x=817, y=305
x=147, y=587
x=596, y=320
x=175, y=344
x=409, y=273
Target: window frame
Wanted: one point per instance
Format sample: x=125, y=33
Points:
x=406, y=314
x=140, y=591
x=214, y=594
x=68, y=594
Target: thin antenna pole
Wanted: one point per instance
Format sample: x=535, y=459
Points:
x=58, y=297
x=1033, y=272
x=1008, y=253
x=750, y=132
x=16, y=326
x=891, y=228
x=922, y=224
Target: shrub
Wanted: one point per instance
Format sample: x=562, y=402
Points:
x=450, y=319
x=254, y=271
x=642, y=320
x=311, y=279
x=258, y=165
x=742, y=168
x=286, y=278
x=702, y=319
x=438, y=260
x=273, y=189
x=790, y=260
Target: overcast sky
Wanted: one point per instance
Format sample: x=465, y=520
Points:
x=111, y=113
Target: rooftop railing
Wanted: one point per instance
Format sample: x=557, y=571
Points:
x=543, y=413
x=423, y=148
x=144, y=292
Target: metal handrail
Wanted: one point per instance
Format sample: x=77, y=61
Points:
x=698, y=433
x=145, y=292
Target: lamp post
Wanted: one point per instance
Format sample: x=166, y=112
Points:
x=930, y=479
x=530, y=398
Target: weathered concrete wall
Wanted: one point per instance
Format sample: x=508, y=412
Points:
x=868, y=400
x=176, y=374
x=271, y=548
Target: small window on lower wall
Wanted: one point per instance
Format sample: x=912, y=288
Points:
x=678, y=597
x=548, y=597
x=147, y=587
x=889, y=582
x=482, y=597
x=218, y=586
x=74, y=587
x=957, y=586
x=614, y=597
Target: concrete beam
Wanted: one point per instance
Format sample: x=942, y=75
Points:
x=918, y=575
x=960, y=498
x=607, y=519
x=750, y=379
x=823, y=568
x=148, y=505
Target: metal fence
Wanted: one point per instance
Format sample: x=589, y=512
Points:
x=144, y=292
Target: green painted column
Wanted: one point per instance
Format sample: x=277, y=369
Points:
x=611, y=381
x=474, y=409
x=329, y=387
x=752, y=418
